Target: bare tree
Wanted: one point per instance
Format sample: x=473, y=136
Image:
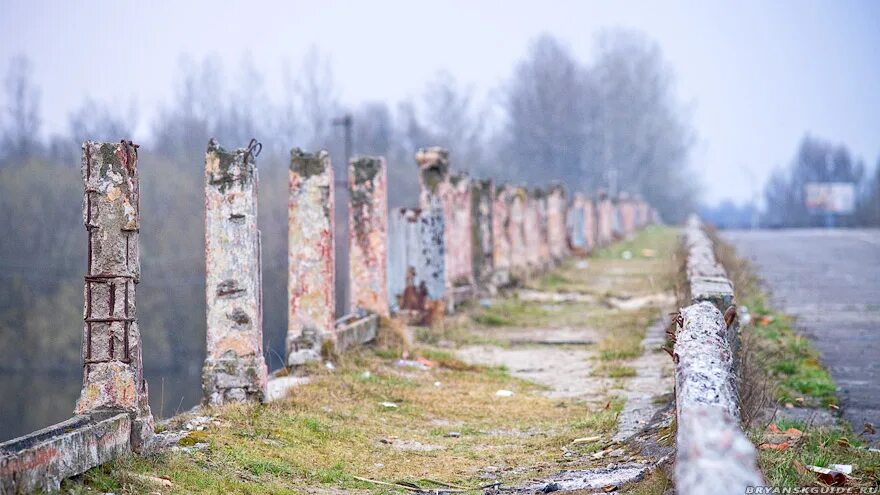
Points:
x=546, y=117
x=21, y=115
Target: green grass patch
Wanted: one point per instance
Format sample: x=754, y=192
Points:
x=819, y=446
x=614, y=370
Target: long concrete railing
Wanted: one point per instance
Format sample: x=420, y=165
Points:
x=713, y=454
x=466, y=239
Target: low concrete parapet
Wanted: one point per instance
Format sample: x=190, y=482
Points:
x=355, y=330
x=41, y=460
x=713, y=454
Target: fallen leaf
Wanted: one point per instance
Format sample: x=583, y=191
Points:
x=794, y=433
x=773, y=428
x=773, y=446
x=843, y=442
x=609, y=488
x=426, y=362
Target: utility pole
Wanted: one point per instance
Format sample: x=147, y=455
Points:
x=346, y=122
x=342, y=253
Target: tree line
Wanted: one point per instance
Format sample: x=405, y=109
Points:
x=612, y=122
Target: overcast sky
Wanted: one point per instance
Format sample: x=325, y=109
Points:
x=756, y=75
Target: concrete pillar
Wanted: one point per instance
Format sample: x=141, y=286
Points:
x=416, y=260
x=450, y=194
x=111, y=347
x=516, y=232
x=310, y=256
x=458, y=233
x=616, y=219
x=482, y=193
x=368, y=234
x=605, y=219
x=627, y=214
x=555, y=222
x=575, y=225
x=234, y=369
x=500, y=235
x=590, y=224
x=533, y=232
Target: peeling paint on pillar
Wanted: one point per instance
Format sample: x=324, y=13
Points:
x=533, y=232
x=235, y=369
x=555, y=222
x=416, y=258
x=111, y=346
x=590, y=224
x=368, y=234
x=451, y=195
x=605, y=220
x=575, y=225
x=458, y=233
x=482, y=205
x=310, y=256
x=516, y=233
x=616, y=222
x=627, y=214
x=501, y=236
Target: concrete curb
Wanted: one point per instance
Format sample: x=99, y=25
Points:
x=713, y=454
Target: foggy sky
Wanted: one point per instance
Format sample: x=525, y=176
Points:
x=756, y=76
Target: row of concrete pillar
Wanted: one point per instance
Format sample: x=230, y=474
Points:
x=467, y=237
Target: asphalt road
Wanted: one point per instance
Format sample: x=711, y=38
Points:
x=830, y=281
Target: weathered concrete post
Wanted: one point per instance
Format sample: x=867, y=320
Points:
x=368, y=234
x=590, y=223
x=604, y=220
x=416, y=271
x=310, y=256
x=113, y=377
x=482, y=205
x=535, y=230
x=575, y=224
x=235, y=369
x=555, y=222
x=458, y=231
x=500, y=236
x=449, y=193
x=516, y=232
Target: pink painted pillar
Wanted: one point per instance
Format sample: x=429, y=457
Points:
x=590, y=223
x=501, y=256
x=368, y=234
x=234, y=369
x=113, y=376
x=556, y=211
x=516, y=228
x=311, y=274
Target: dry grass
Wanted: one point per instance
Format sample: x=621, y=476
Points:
x=332, y=429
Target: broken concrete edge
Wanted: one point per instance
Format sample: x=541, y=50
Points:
x=707, y=279
x=40, y=460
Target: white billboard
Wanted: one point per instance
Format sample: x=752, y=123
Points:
x=830, y=197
